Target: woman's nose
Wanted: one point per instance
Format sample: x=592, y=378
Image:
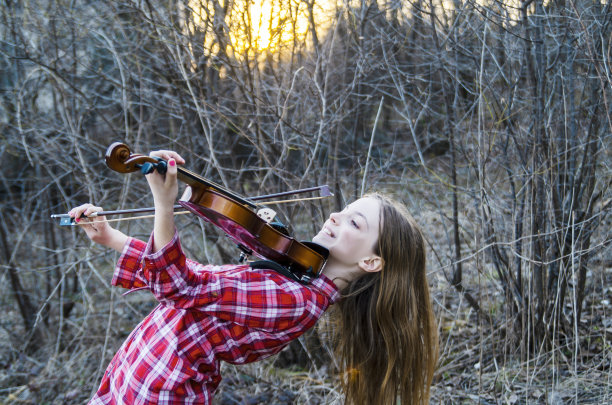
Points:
x=333, y=217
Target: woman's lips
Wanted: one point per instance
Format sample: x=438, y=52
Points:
x=328, y=232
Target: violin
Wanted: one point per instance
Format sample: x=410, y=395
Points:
x=240, y=218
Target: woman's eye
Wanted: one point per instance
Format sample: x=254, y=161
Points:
x=354, y=223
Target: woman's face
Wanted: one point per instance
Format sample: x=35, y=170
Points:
x=351, y=235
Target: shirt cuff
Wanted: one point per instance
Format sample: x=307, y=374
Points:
x=129, y=263
x=164, y=257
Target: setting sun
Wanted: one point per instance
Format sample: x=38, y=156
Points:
x=268, y=25
x=256, y=26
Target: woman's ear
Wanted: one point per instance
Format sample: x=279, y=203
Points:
x=371, y=264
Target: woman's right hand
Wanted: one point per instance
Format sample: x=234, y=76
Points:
x=96, y=227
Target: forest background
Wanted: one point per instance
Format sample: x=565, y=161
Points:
x=491, y=120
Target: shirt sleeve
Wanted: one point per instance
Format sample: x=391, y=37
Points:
x=127, y=272
x=256, y=298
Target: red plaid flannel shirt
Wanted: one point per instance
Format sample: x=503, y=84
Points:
x=205, y=314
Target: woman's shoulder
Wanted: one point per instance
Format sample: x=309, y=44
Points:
x=266, y=278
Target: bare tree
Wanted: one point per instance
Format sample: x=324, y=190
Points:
x=496, y=123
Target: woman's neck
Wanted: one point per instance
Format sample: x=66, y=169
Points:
x=341, y=275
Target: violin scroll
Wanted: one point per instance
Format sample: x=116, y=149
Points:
x=120, y=158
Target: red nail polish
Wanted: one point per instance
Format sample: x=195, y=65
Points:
x=76, y=220
x=171, y=162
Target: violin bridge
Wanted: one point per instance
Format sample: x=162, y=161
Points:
x=267, y=214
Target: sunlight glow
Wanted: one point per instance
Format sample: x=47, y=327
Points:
x=269, y=25
x=259, y=26
x=262, y=27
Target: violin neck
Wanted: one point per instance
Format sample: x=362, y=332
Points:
x=196, y=181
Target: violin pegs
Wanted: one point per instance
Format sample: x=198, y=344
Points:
x=148, y=167
x=161, y=166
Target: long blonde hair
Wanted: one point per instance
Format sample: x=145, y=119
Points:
x=386, y=337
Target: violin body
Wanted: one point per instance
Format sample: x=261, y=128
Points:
x=233, y=214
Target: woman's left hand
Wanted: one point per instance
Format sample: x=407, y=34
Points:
x=165, y=189
x=164, y=186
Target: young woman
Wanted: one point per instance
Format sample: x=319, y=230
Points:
x=386, y=337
